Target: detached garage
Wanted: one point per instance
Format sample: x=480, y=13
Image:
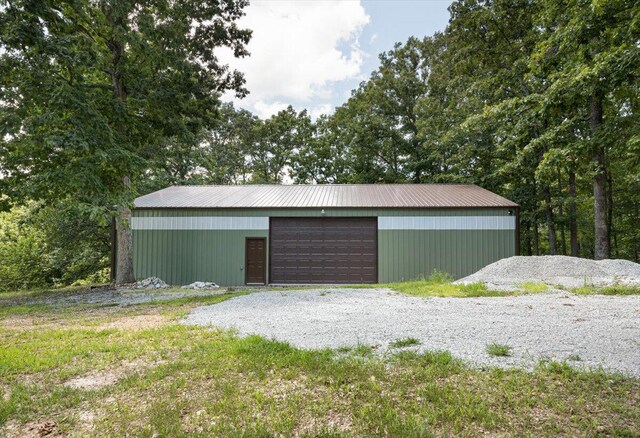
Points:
x=319, y=234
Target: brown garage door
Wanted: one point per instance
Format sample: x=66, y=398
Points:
x=323, y=250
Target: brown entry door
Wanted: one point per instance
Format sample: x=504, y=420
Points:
x=323, y=250
x=256, y=260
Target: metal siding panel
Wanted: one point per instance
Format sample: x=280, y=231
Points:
x=447, y=223
x=185, y=256
x=180, y=221
x=458, y=252
x=217, y=255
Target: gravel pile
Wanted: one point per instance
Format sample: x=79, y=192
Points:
x=201, y=285
x=587, y=331
x=568, y=272
x=150, y=283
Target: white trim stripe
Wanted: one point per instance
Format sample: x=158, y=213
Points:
x=200, y=223
x=446, y=223
x=384, y=223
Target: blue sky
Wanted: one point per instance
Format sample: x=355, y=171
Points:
x=395, y=21
x=312, y=53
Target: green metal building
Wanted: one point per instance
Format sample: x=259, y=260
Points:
x=310, y=234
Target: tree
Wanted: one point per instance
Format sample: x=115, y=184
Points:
x=228, y=146
x=46, y=245
x=215, y=155
x=92, y=89
x=528, y=98
x=376, y=129
x=276, y=141
x=322, y=159
x=595, y=48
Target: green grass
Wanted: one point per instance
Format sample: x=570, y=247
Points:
x=176, y=380
x=405, y=342
x=440, y=284
x=533, y=287
x=499, y=350
x=607, y=290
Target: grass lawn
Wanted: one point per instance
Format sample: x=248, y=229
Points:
x=136, y=371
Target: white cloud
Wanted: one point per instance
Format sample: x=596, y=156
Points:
x=265, y=110
x=317, y=111
x=298, y=50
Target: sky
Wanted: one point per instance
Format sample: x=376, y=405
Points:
x=311, y=53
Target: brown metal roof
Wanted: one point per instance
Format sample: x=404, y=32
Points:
x=325, y=196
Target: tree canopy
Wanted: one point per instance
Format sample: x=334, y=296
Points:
x=92, y=91
x=536, y=100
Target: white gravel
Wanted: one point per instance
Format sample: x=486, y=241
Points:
x=588, y=331
x=568, y=272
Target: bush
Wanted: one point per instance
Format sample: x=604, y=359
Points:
x=43, y=246
x=23, y=252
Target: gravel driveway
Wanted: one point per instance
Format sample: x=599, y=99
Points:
x=588, y=331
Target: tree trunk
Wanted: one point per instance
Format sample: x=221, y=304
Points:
x=561, y=224
x=601, y=250
x=536, y=236
x=563, y=235
x=527, y=239
x=534, y=219
x=124, y=270
x=548, y=208
x=573, y=220
x=613, y=238
x=635, y=241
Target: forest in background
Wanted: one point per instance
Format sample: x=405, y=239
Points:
x=536, y=100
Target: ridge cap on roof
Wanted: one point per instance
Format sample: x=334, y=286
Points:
x=325, y=185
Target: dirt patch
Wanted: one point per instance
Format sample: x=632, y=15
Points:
x=130, y=323
x=116, y=297
x=6, y=393
x=33, y=429
x=100, y=379
x=93, y=380
x=136, y=323
x=23, y=322
x=20, y=322
x=87, y=418
x=333, y=421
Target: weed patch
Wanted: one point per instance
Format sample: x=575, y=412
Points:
x=406, y=342
x=533, y=287
x=607, y=290
x=499, y=350
x=440, y=284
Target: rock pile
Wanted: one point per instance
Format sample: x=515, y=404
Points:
x=150, y=283
x=201, y=285
x=568, y=272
